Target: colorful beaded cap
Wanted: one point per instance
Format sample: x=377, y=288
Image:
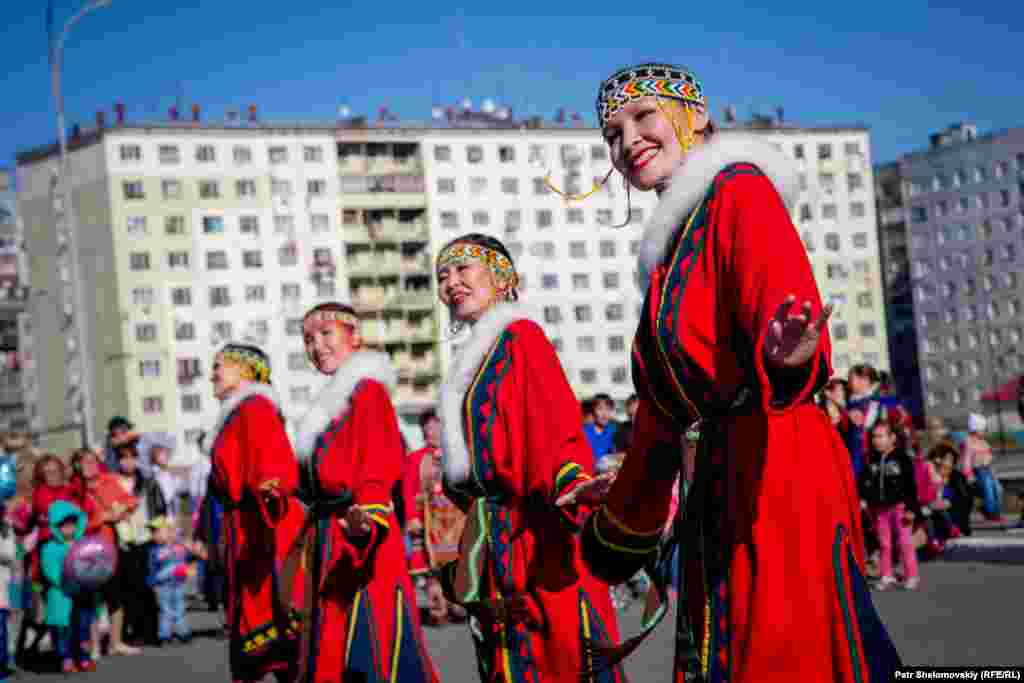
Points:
x=646, y=80
x=251, y=357
x=461, y=252
x=318, y=318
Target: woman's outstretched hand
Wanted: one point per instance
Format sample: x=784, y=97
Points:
x=590, y=492
x=793, y=339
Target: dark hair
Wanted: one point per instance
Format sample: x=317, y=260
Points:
x=941, y=450
x=127, y=450
x=587, y=406
x=481, y=240
x=426, y=416
x=603, y=398
x=829, y=386
x=118, y=422
x=866, y=371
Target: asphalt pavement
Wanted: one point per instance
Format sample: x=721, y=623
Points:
x=964, y=614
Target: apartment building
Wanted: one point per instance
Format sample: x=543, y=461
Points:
x=964, y=198
x=14, y=410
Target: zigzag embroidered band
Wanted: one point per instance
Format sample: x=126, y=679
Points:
x=646, y=80
x=319, y=318
x=251, y=357
x=461, y=253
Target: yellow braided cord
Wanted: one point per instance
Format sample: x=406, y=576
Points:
x=621, y=548
x=621, y=526
x=577, y=197
x=706, y=649
x=686, y=138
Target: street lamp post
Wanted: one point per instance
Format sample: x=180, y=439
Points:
x=78, y=394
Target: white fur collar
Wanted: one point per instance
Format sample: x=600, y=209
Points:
x=691, y=182
x=233, y=401
x=464, y=368
x=335, y=394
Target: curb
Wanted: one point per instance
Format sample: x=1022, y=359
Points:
x=1007, y=550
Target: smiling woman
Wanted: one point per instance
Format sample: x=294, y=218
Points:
x=513, y=454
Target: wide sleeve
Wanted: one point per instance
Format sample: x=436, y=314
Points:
x=414, y=491
x=762, y=261
x=621, y=536
x=559, y=456
x=374, y=443
x=271, y=474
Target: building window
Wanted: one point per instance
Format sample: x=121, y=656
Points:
x=588, y=376
x=513, y=220
x=544, y=218
x=171, y=189
x=442, y=153
x=851, y=149
x=169, y=154
x=209, y=189
x=293, y=327
x=139, y=260
x=832, y=241
x=152, y=405
x=131, y=153
x=583, y=313
x=313, y=155
x=603, y=216
x=539, y=187
x=865, y=300
x=586, y=344
x=291, y=290
x=133, y=189
x=614, y=313
x=245, y=187
x=510, y=185
x=477, y=186
x=177, y=260
x=222, y=330
x=854, y=181
x=860, y=240
x=252, y=259
x=449, y=219
x=213, y=225
x=598, y=153
x=255, y=293
x=219, y=296
x=808, y=240
x=867, y=329
x=858, y=209
x=481, y=219
x=137, y=225
x=619, y=374
x=574, y=216
x=216, y=260
x=249, y=225
x=181, y=296
x=190, y=403
x=319, y=222
x=174, y=225
x=297, y=361
x=829, y=212
x=580, y=282
x=798, y=151
x=185, y=331
x=206, y=154
x=241, y=155
x=445, y=185
x=805, y=212
x=552, y=315
x=616, y=343
x=824, y=151
x=284, y=223
x=300, y=394
x=611, y=281
x=607, y=248
x=474, y=154
x=316, y=188
x=149, y=368
x=288, y=255
x=142, y=296
x=839, y=332
x=278, y=155
x=919, y=214
x=1008, y=252
x=280, y=188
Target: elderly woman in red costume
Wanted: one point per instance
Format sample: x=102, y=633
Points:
x=733, y=336
x=254, y=477
x=362, y=623
x=514, y=459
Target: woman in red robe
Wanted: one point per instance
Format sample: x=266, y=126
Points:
x=254, y=477
x=515, y=461
x=362, y=622
x=771, y=542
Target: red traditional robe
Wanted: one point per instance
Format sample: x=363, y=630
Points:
x=435, y=522
x=513, y=443
x=363, y=618
x=250, y=448
x=773, y=548
x=419, y=565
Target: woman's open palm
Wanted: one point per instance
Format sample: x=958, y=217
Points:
x=792, y=340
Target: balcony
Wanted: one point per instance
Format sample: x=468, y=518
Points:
x=417, y=299
x=373, y=263
x=418, y=263
x=384, y=191
x=416, y=393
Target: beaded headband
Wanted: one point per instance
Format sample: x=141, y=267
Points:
x=250, y=357
x=318, y=318
x=462, y=252
x=646, y=80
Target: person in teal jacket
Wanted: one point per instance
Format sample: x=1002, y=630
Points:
x=67, y=616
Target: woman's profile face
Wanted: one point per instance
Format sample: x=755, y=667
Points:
x=468, y=289
x=642, y=143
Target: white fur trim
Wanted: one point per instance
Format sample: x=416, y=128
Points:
x=464, y=368
x=233, y=401
x=691, y=181
x=333, y=398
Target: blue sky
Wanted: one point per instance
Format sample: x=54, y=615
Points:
x=904, y=67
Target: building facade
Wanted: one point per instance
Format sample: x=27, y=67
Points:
x=965, y=220
x=196, y=233
x=899, y=294
x=14, y=409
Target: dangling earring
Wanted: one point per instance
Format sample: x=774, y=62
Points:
x=568, y=197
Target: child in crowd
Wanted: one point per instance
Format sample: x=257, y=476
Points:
x=69, y=617
x=170, y=566
x=8, y=563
